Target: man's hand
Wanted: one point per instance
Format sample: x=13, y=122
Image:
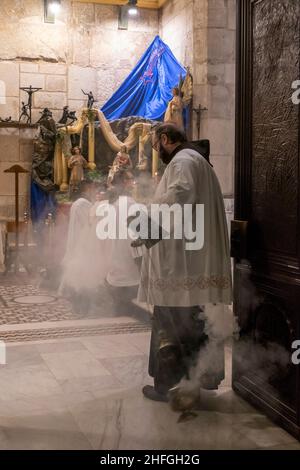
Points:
x=138, y=243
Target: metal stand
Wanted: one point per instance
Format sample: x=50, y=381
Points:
x=16, y=170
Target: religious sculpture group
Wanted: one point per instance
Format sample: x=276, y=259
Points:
x=139, y=135
x=58, y=160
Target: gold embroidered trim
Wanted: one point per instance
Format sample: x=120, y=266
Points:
x=187, y=284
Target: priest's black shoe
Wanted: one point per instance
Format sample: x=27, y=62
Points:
x=150, y=393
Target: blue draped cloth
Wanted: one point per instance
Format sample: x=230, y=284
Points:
x=42, y=203
x=148, y=88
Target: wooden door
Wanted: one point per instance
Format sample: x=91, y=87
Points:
x=267, y=192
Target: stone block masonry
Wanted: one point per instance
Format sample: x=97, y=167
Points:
x=83, y=49
x=201, y=34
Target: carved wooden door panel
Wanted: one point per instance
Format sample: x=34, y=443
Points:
x=267, y=274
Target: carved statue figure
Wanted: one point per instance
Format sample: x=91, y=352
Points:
x=43, y=154
x=72, y=117
x=25, y=113
x=122, y=161
x=182, y=97
x=175, y=109
x=45, y=114
x=64, y=118
x=67, y=114
x=187, y=88
x=76, y=163
x=91, y=99
x=30, y=91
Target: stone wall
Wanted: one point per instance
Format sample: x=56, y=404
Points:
x=214, y=70
x=211, y=54
x=176, y=29
x=83, y=49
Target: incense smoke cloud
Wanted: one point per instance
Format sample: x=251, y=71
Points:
x=222, y=328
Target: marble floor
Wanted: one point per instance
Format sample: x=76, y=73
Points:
x=32, y=310
x=85, y=393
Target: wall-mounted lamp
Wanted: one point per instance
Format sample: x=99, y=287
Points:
x=125, y=11
x=51, y=9
x=132, y=8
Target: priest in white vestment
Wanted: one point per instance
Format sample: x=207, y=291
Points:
x=79, y=262
x=178, y=282
x=123, y=275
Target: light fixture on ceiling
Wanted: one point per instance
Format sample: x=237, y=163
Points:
x=132, y=8
x=52, y=8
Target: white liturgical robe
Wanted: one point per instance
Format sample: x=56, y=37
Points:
x=77, y=270
x=173, y=276
x=123, y=269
